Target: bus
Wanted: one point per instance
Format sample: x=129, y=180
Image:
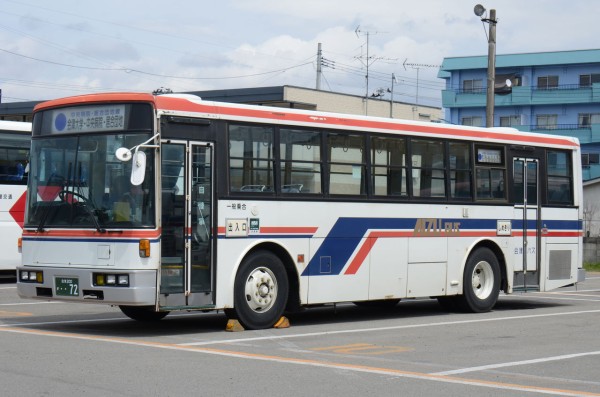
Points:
x=15, y=139
x=163, y=203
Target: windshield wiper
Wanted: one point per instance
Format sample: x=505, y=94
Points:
x=99, y=228
x=44, y=218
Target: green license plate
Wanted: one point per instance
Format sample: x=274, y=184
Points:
x=67, y=286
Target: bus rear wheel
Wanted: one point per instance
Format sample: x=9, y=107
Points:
x=481, y=282
x=260, y=291
x=143, y=313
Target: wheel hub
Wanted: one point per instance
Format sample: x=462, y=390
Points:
x=261, y=289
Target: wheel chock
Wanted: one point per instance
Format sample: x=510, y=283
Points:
x=283, y=322
x=234, y=326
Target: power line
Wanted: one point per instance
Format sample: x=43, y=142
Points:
x=131, y=70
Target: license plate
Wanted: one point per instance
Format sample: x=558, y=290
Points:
x=67, y=286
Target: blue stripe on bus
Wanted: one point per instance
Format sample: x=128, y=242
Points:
x=347, y=233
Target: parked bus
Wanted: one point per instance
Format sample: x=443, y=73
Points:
x=163, y=203
x=15, y=139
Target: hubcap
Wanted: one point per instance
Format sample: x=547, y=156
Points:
x=261, y=289
x=482, y=280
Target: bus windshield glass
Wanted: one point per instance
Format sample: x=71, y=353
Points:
x=79, y=183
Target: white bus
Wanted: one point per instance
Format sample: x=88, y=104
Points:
x=15, y=139
x=163, y=203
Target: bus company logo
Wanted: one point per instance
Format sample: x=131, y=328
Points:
x=60, y=122
x=434, y=227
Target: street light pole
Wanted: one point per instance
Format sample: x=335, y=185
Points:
x=479, y=10
x=491, y=72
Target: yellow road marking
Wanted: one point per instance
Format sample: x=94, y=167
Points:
x=315, y=363
x=5, y=313
x=363, y=348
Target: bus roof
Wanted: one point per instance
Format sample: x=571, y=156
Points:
x=192, y=105
x=17, y=126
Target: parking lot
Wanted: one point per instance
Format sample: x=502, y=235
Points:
x=534, y=343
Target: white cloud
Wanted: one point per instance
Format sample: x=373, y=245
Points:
x=219, y=43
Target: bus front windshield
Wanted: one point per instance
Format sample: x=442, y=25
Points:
x=77, y=182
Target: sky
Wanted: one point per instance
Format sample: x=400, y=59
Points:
x=52, y=49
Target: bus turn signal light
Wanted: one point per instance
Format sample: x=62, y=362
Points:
x=144, y=248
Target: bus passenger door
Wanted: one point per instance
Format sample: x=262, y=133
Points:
x=186, y=229
x=526, y=222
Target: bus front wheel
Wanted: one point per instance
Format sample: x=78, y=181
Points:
x=481, y=282
x=142, y=313
x=260, y=291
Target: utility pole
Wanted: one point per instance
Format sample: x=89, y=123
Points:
x=319, y=66
x=491, y=72
x=479, y=10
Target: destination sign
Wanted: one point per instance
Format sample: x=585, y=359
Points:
x=88, y=118
x=489, y=156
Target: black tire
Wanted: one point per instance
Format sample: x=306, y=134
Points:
x=143, y=313
x=260, y=291
x=481, y=282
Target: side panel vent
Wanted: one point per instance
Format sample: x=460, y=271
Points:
x=560, y=265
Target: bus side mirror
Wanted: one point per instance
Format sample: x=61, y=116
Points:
x=138, y=168
x=123, y=154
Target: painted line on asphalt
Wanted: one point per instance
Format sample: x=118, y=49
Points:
x=28, y=303
x=515, y=363
x=397, y=327
x=312, y=363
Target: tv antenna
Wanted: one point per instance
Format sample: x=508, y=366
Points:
x=366, y=61
x=418, y=66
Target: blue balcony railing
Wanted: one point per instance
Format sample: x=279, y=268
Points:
x=524, y=95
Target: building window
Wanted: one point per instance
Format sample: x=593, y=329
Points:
x=473, y=121
x=546, y=121
x=585, y=120
x=590, y=158
x=473, y=86
x=547, y=82
x=586, y=80
x=509, y=121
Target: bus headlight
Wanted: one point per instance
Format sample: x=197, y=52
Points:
x=27, y=276
x=110, y=280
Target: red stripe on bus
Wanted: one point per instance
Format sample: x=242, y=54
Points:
x=288, y=230
x=329, y=120
x=280, y=230
x=94, y=233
